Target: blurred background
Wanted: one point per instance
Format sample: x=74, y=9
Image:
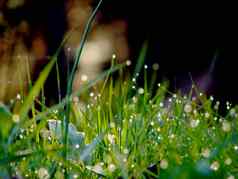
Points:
x=188, y=41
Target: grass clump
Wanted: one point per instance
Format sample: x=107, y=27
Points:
x=122, y=130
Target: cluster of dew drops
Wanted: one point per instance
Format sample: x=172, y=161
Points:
x=188, y=109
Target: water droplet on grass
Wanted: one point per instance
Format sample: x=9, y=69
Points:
x=228, y=161
x=84, y=78
x=164, y=164
x=128, y=63
x=215, y=166
x=141, y=91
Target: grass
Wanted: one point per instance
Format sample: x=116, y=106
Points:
x=121, y=130
x=114, y=128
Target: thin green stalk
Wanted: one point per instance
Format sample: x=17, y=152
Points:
x=72, y=74
x=58, y=81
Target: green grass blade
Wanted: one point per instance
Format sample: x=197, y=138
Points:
x=72, y=75
x=141, y=59
x=36, y=89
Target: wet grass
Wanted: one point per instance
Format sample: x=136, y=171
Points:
x=119, y=130
x=114, y=128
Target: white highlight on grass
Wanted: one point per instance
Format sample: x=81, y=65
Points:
x=164, y=164
x=211, y=98
x=134, y=99
x=161, y=104
x=84, y=78
x=215, y=166
x=114, y=56
x=111, y=138
x=206, y=152
x=18, y=96
x=16, y=118
x=111, y=167
x=228, y=161
x=220, y=120
x=194, y=123
x=236, y=147
x=91, y=94
x=188, y=108
x=141, y=91
x=43, y=173
x=226, y=126
x=77, y=146
x=126, y=151
x=128, y=63
x=195, y=112
x=75, y=176
x=172, y=136
x=207, y=115
x=233, y=113
x=112, y=125
x=97, y=168
x=231, y=177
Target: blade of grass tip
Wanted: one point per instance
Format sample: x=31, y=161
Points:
x=107, y=78
x=37, y=88
x=72, y=74
x=196, y=89
x=30, y=83
x=140, y=63
x=58, y=82
x=141, y=59
x=110, y=99
x=145, y=86
x=153, y=81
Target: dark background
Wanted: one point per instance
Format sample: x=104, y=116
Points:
x=184, y=38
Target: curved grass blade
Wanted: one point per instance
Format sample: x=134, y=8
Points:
x=72, y=74
x=141, y=58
